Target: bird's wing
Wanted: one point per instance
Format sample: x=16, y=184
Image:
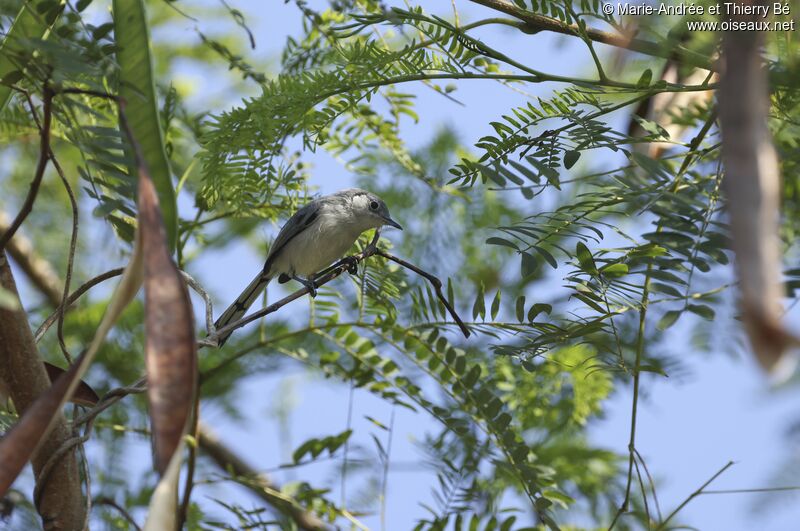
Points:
x=300, y=221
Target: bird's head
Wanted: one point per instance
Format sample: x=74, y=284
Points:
x=371, y=208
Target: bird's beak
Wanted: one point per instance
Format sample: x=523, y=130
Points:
x=391, y=222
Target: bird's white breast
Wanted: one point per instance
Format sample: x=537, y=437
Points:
x=328, y=238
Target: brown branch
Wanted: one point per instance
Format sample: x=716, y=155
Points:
x=61, y=502
x=260, y=484
x=39, y=271
x=103, y=500
x=73, y=298
x=534, y=23
x=44, y=157
x=73, y=240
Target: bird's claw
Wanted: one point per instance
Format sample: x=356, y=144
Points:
x=351, y=264
x=309, y=285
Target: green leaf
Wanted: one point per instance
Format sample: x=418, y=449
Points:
x=137, y=86
x=314, y=447
x=536, y=309
x=520, y=308
x=460, y=365
x=585, y=258
x=547, y=256
x=472, y=376
x=102, y=30
x=570, y=158
x=615, y=270
x=479, y=308
x=645, y=79
x=706, y=312
x=28, y=24
x=528, y=265
x=668, y=319
x=665, y=288
x=500, y=241
x=558, y=497
x=542, y=503
x=495, y=305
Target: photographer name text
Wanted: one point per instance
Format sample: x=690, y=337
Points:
x=683, y=9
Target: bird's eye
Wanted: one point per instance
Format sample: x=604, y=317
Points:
x=373, y=205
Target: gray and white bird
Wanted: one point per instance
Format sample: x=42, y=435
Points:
x=314, y=237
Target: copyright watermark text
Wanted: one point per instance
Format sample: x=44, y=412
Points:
x=722, y=9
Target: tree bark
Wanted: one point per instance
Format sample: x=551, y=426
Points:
x=60, y=502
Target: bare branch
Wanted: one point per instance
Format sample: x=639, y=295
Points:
x=534, y=23
x=77, y=294
x=262, y=486
x=435, y=282
x=103, y=500
x=39, y=271
x=44, y=157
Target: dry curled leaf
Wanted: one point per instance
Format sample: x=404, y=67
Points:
x=83, y=395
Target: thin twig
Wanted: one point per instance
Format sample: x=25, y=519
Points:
x=385, y=479
x=111, y=398
x=693, y=495
x=191, y=462
x=652, y=483
x=534, y=23
x=346, y=452
x=198, y=288
x=751, y=491
x=259, y=484
x=644, y=494
x=73, y=243
x=73, y=240
x=103, y=500
x=44, y=157
x=87, y=478
x=435, y=282
x=89, y=284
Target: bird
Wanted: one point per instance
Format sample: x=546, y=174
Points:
x=314, y=237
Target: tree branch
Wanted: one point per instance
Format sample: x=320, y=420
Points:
x=347, y=263
x=44, y=157
x=262, y=486
x=534, y=23
x=61, y=502
x=39, y=271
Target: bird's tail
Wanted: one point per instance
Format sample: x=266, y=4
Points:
x=239, y=307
